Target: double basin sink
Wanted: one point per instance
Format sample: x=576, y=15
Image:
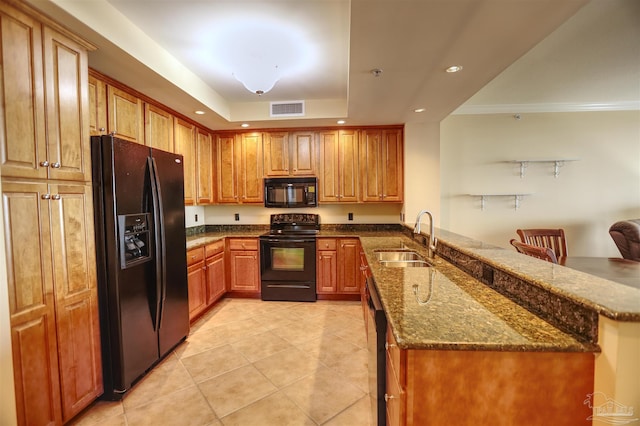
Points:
x=401, y=258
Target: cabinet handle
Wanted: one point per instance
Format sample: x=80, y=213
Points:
x=55, y=165
x=56, y=197
x=46, y=196
x=388, y=397
x=389, y=345
x=204, y=268
x=364, y=268
x=44, y=163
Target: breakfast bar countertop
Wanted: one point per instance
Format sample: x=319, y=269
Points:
x=444, y=308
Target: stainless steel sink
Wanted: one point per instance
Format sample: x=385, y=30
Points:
x=396, y=256
x=405, y=264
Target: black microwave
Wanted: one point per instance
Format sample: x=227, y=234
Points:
x=291, y=192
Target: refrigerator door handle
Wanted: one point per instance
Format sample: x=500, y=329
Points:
x=161, y=261
x=157, y=237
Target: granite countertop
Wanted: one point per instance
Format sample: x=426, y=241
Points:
x=445, y=308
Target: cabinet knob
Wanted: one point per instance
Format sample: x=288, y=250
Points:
x=44, y=163
x=387, y=345
x=55, y=165
x=46, y=196
x=56, y=197
x=388, y=397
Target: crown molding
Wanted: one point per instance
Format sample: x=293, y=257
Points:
x=546, y=107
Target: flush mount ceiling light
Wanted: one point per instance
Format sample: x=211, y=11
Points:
x=454, y=68
x=259, y=58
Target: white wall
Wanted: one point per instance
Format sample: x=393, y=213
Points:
x=590, y=194
x=259, y=215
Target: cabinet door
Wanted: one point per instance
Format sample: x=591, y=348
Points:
x=76, y=294
x=348, y=265
x=227, y=170
x=348, y=165
x=22, y=141
x=251, y=176
x=205, y=169
x=196, y=279
x=381, y=165
x=158, y=126
x=67, y=107
x=244, y=270
x=31, y=302
x=327, y=271
x=97, y=106
x=303, y=154
x=125, y=115
x=276, y=154
x=392, y=160
x=185, y=145
x=328, y=176
x=215, y=278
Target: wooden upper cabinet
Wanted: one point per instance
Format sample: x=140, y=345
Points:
x=23, y=140
x=276, y=154
x=226, y=169
x=125, y=113
x=205, y=169
x=158, y=128
x=251, y=175
x=67, y=106
x=381, y=165
x=303, y=153
x=185, y=144
x=289, y=154
x=44, y=101
x=97, y=106
x=338, y=176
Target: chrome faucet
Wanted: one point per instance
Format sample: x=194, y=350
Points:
x=432, y=237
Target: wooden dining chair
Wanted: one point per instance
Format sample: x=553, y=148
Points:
x=544, y=253
x=550, y=238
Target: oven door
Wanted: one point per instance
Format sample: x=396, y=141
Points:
x=288, y=259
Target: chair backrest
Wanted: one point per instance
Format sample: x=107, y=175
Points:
x=551, y=238
x=626, y=235
x=544, y=253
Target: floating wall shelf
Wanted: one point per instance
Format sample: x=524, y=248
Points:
x=516, y=198
x=557, y=163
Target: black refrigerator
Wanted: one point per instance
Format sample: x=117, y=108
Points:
x=141, y=258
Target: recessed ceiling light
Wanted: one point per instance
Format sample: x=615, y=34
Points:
x=199, y=112
x=419, y=110
x=244, y=125
x=454, y=68
x=341, y=122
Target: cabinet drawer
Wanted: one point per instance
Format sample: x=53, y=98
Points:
x=243, y=244
x=327, y=243
x=195, y=255
x=214, y=248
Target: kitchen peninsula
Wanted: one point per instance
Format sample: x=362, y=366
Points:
x=472, y=333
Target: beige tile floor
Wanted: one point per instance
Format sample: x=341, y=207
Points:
x=254, y=363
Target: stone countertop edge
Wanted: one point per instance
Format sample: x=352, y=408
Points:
x=607, y=298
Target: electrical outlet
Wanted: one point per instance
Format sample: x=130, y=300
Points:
x=401, y=217
x=350, y=216
x=237, y=216
x=196, y=219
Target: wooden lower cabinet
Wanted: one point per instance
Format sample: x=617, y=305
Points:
x=244, y=265
x=338, y=266
x=214, y=265
x=52, y=299
x=196, y=278
x=443, y=387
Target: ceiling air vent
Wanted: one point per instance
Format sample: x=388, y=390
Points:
x=287, y=109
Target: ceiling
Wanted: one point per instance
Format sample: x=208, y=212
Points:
x=166, y=50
